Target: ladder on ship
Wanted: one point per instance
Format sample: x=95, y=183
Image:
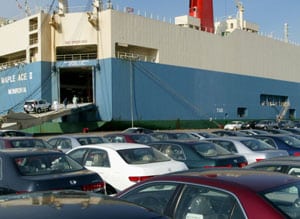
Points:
x=283, y=111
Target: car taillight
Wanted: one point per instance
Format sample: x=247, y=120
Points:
x=259, y=159
x=296, y=154
x=243, y=164
x=138, y=178
x=93, y=187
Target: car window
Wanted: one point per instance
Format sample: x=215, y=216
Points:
x=142, y=155
x=173, y=151
x=208, y=149
x=228, y=145
x=295, y=171
x=285, y=198
x=2, y=144
x=268, y=141
x=46, y=164
x=256, y=145
x=154, y=197
x=270, y=167
x=202, y=202
x=78, y=155
x=64, y=143
x=97, y=158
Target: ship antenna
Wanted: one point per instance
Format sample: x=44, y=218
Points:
x=109, y=4
x=286, y=32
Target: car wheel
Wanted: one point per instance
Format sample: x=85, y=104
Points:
x=39, y=110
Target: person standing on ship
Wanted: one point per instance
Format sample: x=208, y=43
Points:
x=65, y=102
x=75, y=100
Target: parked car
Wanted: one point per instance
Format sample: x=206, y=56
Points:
x=229, y=133
x=253, y=149
x=13, y=133
x=288, y=165
x=24, y=142
x=68, y=204
x=293, y=130
x=30, y=170
x=266, y=124
x=124, y=164
x=202, y=134
x=234, y=125
x=286, y=124
x=37, y=106
x=219, y=193
x=283, y=142
x=67, y=142
x=249, y=124
x=138, y=130
x=129, y=138
x=164, y=135
x=253, y=131
x=199, y=154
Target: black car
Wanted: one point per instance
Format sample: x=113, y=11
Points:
x=288, y=165
x=199, y=154
x=30, y=170
x=71, y=204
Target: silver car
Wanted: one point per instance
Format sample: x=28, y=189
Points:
x=67, y=142
x=253, y=149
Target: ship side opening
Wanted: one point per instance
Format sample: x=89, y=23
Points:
x=13, y=59
x=137, y=53
x=77, y=80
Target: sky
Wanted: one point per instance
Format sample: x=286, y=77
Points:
x=270, y=15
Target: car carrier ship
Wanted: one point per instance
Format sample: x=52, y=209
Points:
x=132, y=69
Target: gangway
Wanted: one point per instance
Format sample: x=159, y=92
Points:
x=20, y=120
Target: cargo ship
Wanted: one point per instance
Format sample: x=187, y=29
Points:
x=137, y=70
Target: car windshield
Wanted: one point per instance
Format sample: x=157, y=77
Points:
x=142, y=156
x=46, y=164
x=286, y=199
x=30, y=143
x=291, y=141
x=208, y=149
x=257, y=145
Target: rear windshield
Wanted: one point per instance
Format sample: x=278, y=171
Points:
x=30, y=143
x=257, y=145
x=208, y=149
x=46, y=164
x=142, y=156
x=90, y=140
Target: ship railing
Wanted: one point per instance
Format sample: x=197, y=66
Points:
x=135, y=57
x=14, y=63
x=71, y=57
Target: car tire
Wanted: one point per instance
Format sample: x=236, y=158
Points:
x=38, y=110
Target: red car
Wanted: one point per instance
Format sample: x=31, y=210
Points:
x=219, y=193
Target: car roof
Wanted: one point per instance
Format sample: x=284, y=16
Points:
x=233, y=179
x=26, y=151
x=71, y=204
x=114, y=146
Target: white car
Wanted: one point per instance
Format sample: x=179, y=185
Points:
x=124, y=164
x=37, y=106
x=234, y=125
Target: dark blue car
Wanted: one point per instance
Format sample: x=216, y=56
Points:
x=282, y=141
